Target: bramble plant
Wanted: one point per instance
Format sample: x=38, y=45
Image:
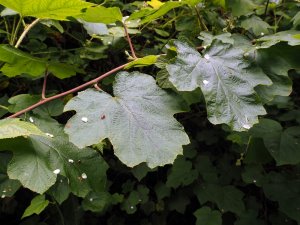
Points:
x=157, y=112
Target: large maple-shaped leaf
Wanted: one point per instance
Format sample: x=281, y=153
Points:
x=138, y=120
x=47, y=9
x=37, y=161
x=227, y=80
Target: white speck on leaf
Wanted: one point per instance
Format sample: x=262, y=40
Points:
x=84, y=119
x=57, y=171
x=206, y=56
x=50, y=135
x=31, y=119
x=205, y=82
x=2, y=196
x=131, y=207
x=84, y=176
x=254, y=181
x=246, y=126
x=70, y=160
x=91, y=199
x=262, y=33
x=4, y=191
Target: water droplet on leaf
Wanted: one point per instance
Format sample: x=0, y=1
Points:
x=206, y=56
x=84, y=119
x=57, y=171
x=84, y=176
x=205, y=82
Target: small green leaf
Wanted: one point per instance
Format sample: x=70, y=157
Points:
x=227, y=81
x=37, y=205
x=283, y=145
x=145, y=61
x=149, y=15
x=256, y=25
x=47, y=9
x=227, y=198
x=181, y=173
x=11, y=128
x=101, y=14
x=241, y=7
x=44, y=158
x=207, y=216
x=8, y=187
x=289, y=36
x=138, y=120
x=18, y=62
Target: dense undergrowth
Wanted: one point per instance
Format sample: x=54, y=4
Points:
x=165, y=113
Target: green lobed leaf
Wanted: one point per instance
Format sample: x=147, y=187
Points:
x=227, y=198
x=44, y=158
x=207, y=216
x=11, y=128
x=241, y=7
x=276, y=62
x=289, y=36
x=181, y=173
x=37, y=205
x=8, y=187
x=227, y=81
x=47, y=9
x=286, y=191
x=256, y=25
x=18, y=62
x=138, y=120
x=283, y=145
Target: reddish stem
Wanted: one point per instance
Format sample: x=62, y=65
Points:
x=76, y=89
x=129, y=41
x=45, y=85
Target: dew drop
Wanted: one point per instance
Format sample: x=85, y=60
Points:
x=206, y=56
x=50, y=135
x=83, y=176
x=84, y=119
x=70, y=160
x=246, y=126
x=205, y=82
x=31, y=119
x=57, y=171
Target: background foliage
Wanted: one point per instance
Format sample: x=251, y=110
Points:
x=201, y=127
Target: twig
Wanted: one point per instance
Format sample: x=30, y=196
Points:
x=26, y=30
x=129, y=41
x=45, y=85
x=200, y=19
x=266, y=9
x=73, y=90
x=96, y=86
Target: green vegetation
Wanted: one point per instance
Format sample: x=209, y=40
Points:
x=159, y=112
